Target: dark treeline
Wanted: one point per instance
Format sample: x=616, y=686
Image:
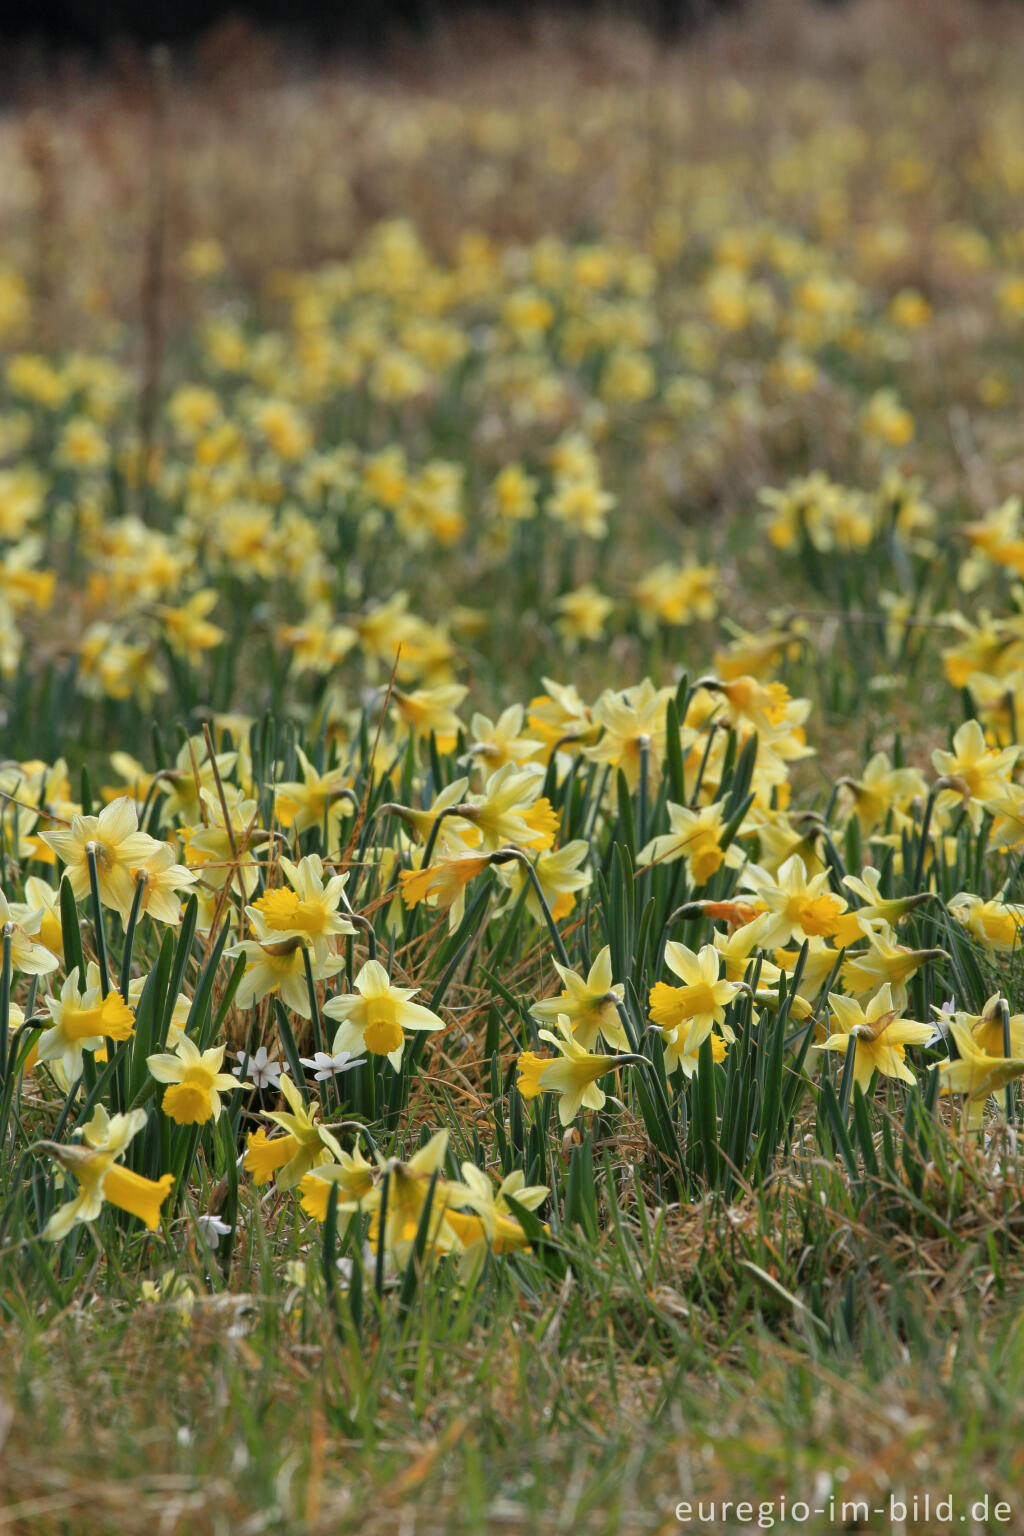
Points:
x=96, y=25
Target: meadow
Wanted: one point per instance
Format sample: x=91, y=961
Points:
x=512, y=784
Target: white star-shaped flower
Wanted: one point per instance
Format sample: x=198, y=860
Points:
x=323, y=1065
x=264, y=1072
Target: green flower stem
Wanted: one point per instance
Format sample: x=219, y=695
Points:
x=428, y=851
x=5, y=1000
x=314, y=1006
x=922, y=847
x=1004, y=1009
x=428, y=854
x=503, y=856
x=382, y=1219
x=162, y=776
x=362, y=923
x=117, y=1080
x=846, y=1082
x=129, y=938
x=97, y=920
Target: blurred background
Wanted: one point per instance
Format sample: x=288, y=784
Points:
x=786, y=241
x=369, y=25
